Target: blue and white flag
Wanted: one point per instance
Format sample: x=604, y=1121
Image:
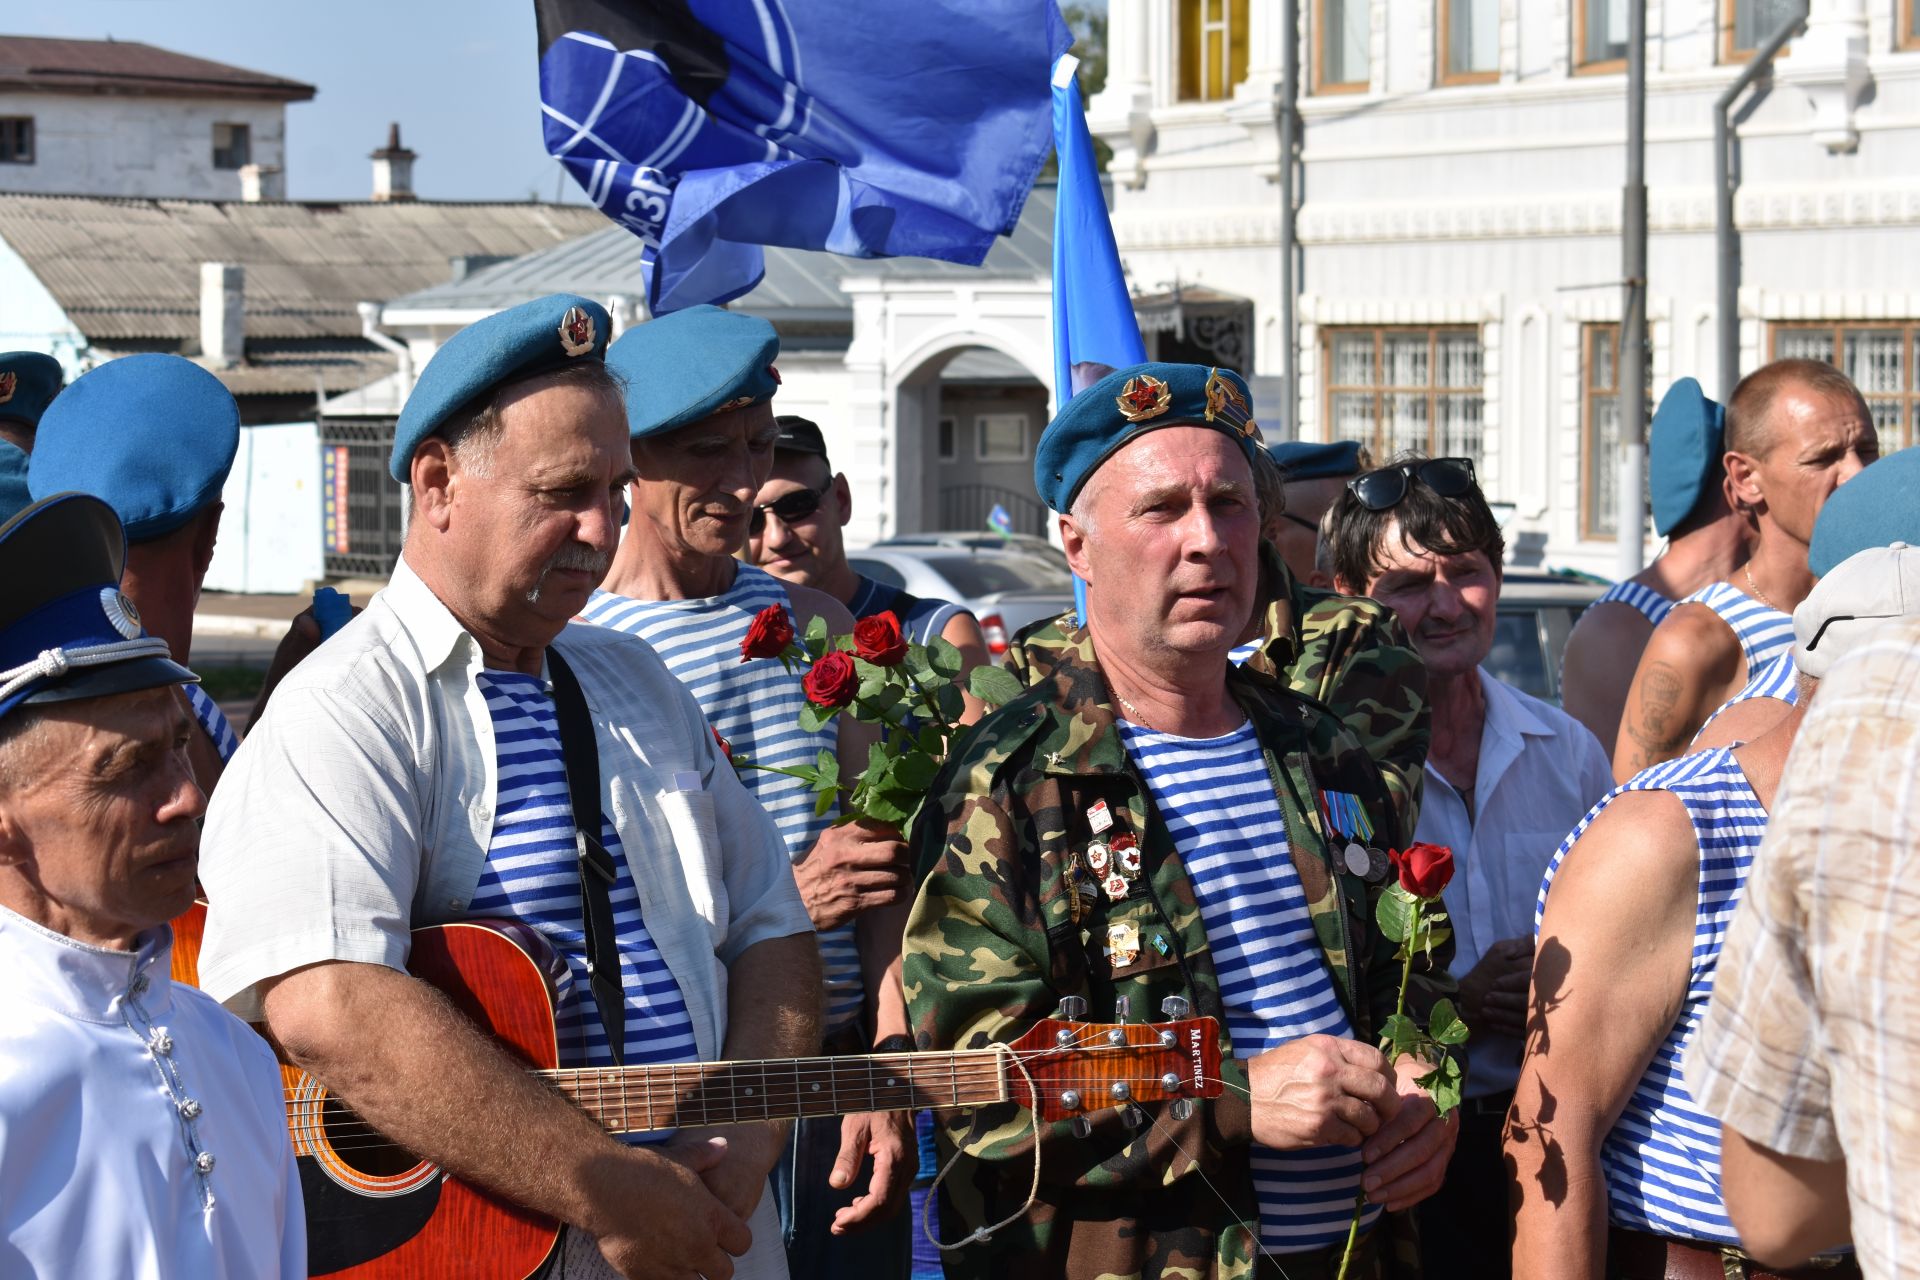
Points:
x=874, y=128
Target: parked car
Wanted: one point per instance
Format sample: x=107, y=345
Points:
x=1537, y=612
x=1005, y=588
x=974, y=540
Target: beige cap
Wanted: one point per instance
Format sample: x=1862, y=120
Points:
x=1856, y=596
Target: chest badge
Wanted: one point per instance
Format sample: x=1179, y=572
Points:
x=1126, y=855
x=1099, y=858
x=1123, y=944
x=1099, y=817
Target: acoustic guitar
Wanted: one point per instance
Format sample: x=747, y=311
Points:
x=377, y=1212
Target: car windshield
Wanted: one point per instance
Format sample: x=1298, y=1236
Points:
x=985, y=575
x=1516, y=656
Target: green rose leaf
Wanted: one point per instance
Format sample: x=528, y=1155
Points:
x=952, y=705
x=817, y=633
x=1444, y=1024
x=1443, y=1084
x=882, y=807
x=826, y=768
x=1395, y=913
x=813, y=717
x=995, y=686
x=1399, y=1036
x=931, y=741
x=914, y=772
x=944, y=657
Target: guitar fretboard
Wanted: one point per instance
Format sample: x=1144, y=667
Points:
x=636, y=1099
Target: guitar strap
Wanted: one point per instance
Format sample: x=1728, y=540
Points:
x=581, y=756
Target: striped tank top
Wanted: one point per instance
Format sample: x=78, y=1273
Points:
x=212, y=721
x=755, y=706
x=531, y=875
x=1219, y=805
x=1651, y=604
x=1779, y=680
x=1763, y=632
x=1662, y=1158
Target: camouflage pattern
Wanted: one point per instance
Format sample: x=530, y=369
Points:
x=1000, y=932
x=1348, y=653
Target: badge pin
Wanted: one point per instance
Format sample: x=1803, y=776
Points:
x=1357, y=861
x=1160, y=943
x=1116, y=886
x=1098, y=858
x=1123, y=944
x=1099, y=817
x=8, y=381
x=1143, y=397
x=1126, y=852
x=576, y=332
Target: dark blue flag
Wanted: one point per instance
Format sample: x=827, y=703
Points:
x=873, y=128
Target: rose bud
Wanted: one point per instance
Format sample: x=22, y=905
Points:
x=1424, y=868
x=832, y=681
x=878, y=640
x=768, y=635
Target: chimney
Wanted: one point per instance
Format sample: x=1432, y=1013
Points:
x=392, y=169
x=223, y=314
x=262, y=182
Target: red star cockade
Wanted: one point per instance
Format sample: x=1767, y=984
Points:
x=1143, y=396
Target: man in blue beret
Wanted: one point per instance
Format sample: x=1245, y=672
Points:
x=414, y=771
x=1154, y=829
x=1795, y=431
x=29, y=380
x=1311, y=476
x=1709, y=537
x=703, y=438
x=154, y=436
x=143, y=1130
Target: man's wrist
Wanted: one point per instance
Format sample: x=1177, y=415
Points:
x=898, y=1042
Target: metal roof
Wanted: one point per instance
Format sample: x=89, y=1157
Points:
x=128, y=269
x=127, y=66
x=801, y=285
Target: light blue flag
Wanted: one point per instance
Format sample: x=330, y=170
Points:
x=1000, y=520
x=1094, y=329
x=709, y=128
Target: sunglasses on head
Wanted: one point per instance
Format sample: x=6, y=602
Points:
x=790, y=507
x=1387, y=488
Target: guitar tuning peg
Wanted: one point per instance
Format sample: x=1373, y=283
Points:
x=1122, y=1008
x=1081, y=1126
x=1133, y=1117
x=1176, y=1007
x=1182, y=1108
x=1072, y=1008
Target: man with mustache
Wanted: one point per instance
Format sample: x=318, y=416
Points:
x=1506, y=777
x=143, y=1130
x=703, y=437
x=1153, y=828
x=412, y=772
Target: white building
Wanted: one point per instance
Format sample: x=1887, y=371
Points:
x=119, y=118
x=1460, y=213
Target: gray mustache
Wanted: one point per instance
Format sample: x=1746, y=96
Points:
x=583, y=558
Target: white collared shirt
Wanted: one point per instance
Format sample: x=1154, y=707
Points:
x=143, y=1129
x=1540, y=771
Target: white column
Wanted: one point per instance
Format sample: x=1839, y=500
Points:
x=1121, y=113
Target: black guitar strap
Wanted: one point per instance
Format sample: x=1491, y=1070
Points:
x=597, y=869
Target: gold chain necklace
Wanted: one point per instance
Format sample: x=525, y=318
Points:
x=1754, y=587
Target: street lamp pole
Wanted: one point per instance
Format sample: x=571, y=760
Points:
x=1631, y=503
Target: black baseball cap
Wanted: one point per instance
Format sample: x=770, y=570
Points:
x=800, y=435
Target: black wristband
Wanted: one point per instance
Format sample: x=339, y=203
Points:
x=896, y=1043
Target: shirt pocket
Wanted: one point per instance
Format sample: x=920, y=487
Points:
x=690, y=822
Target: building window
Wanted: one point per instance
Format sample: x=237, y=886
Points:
x=949, y=444
x=232, y=146
x=1002, y=437
x=16, y=139
x=1402, y=390
x=1879, y=358
x=1213, y=48
x=1746, y=24
x=1600, y=35
x=1470, y=41
x=1340, y=46
x=1909, y=24
x=1600, y=429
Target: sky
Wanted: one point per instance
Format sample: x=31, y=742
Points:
x=460, y=76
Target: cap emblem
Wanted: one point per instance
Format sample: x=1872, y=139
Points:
x=120, y=611
x=774, y=374
x=738, y=402
x=1144, y=397
x=8, y=381
x=576, y=332
x=1224, y=401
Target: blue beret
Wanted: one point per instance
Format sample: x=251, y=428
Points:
x=692, y=364
x=152, y=435
x=533, y=338
x=1683, y=452
x=1874, y=509
x=1091, y=427
x=29, y=380
x=1305, y=460
x=13, y=481
x=66, y=630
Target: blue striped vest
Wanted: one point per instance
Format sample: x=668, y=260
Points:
x=1779, y=680
x=1763, y=632
x=1651, y=604
x=212, y=721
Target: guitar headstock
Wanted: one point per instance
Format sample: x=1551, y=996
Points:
x=1082, y=1067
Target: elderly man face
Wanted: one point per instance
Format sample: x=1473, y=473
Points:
x=1166, y=534
x=1814, y=443
x=99, y=831
x=695, y=486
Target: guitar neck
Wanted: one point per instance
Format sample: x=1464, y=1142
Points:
x=637, y=1099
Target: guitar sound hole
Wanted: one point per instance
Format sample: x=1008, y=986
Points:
x=361, y=1148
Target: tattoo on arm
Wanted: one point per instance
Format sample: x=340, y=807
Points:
x=1657, y=725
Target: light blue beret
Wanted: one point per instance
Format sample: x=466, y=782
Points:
x=152, y=435
x=1683, y=452
x=1874, y=509
x=1129, y=402
x=1307, y=460
x=521, y=342
x=13, y=481
x=29, y=380
x=691, y=364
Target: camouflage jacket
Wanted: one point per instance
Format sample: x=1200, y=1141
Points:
x=1000, y=933
x=1347, y=652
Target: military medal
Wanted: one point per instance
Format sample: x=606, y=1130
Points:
x=1377, y=865
x=1123, y=944
x=1126, y=852
x=1116, y=886
x=1357, y=861
x=576, y=332
x=1098, y=858
x=1099, y=817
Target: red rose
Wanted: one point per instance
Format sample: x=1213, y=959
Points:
x=832, y=681
x=726, y=748
x=769, y=634
x=878, y=640
x=1424, y=868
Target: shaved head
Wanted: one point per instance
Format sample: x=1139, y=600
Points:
x=1751, y=421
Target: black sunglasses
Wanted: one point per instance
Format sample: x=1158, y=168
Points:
x=790, y=507
x=1387, y=488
